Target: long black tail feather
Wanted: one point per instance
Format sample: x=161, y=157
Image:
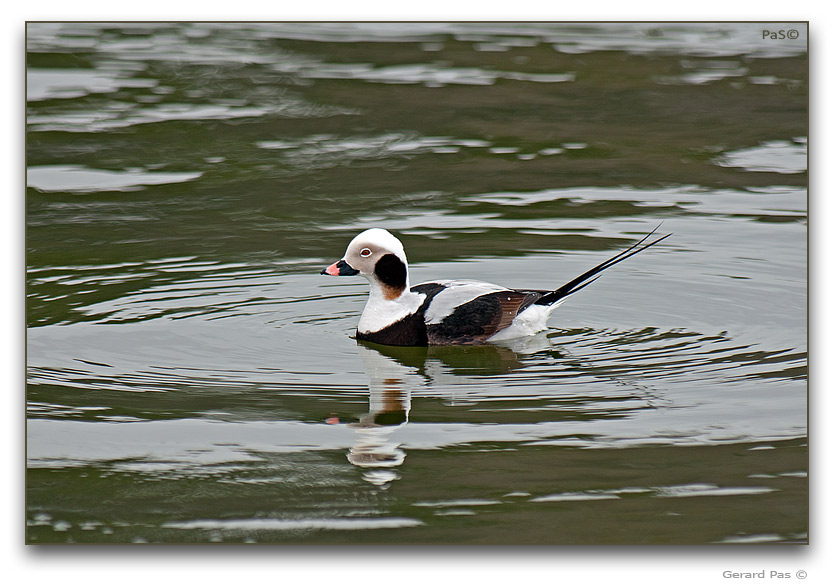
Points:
x=586, y=279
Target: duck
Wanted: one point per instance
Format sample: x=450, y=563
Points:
x=449, y=312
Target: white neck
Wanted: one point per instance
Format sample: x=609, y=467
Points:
x=381, y=312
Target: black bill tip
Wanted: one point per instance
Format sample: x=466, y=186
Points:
x=340, y=269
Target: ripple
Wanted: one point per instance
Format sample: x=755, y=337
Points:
x=80, y=179
x=260, y=524
x=761, y=538
x=704, y=72
x=698, y=490
x=702, y=39
x=776, y=156
x=678, y=491
x=457, y=503
x=426, y=74
x=180, y=444
x=170, y=288
x=573, y=496
x=46, y=84
x=120, y=115
x=324, y=151
x=684, y=356
x=696, y=199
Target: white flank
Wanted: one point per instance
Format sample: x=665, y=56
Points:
x=530, y=321
x=456, y=294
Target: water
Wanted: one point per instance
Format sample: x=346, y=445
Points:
x=192, y=378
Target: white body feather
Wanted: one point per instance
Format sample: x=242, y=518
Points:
x=380, y=312
x=530, y=321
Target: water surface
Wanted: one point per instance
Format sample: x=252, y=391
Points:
x=192, y=377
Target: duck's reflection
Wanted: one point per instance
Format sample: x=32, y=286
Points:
x=376, y=447
x=393, y=373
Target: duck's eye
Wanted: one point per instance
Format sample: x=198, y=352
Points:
x=365, y=252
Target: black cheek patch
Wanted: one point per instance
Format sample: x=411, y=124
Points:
x=391, y=271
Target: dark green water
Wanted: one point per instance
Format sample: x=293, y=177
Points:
x=191, y=376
